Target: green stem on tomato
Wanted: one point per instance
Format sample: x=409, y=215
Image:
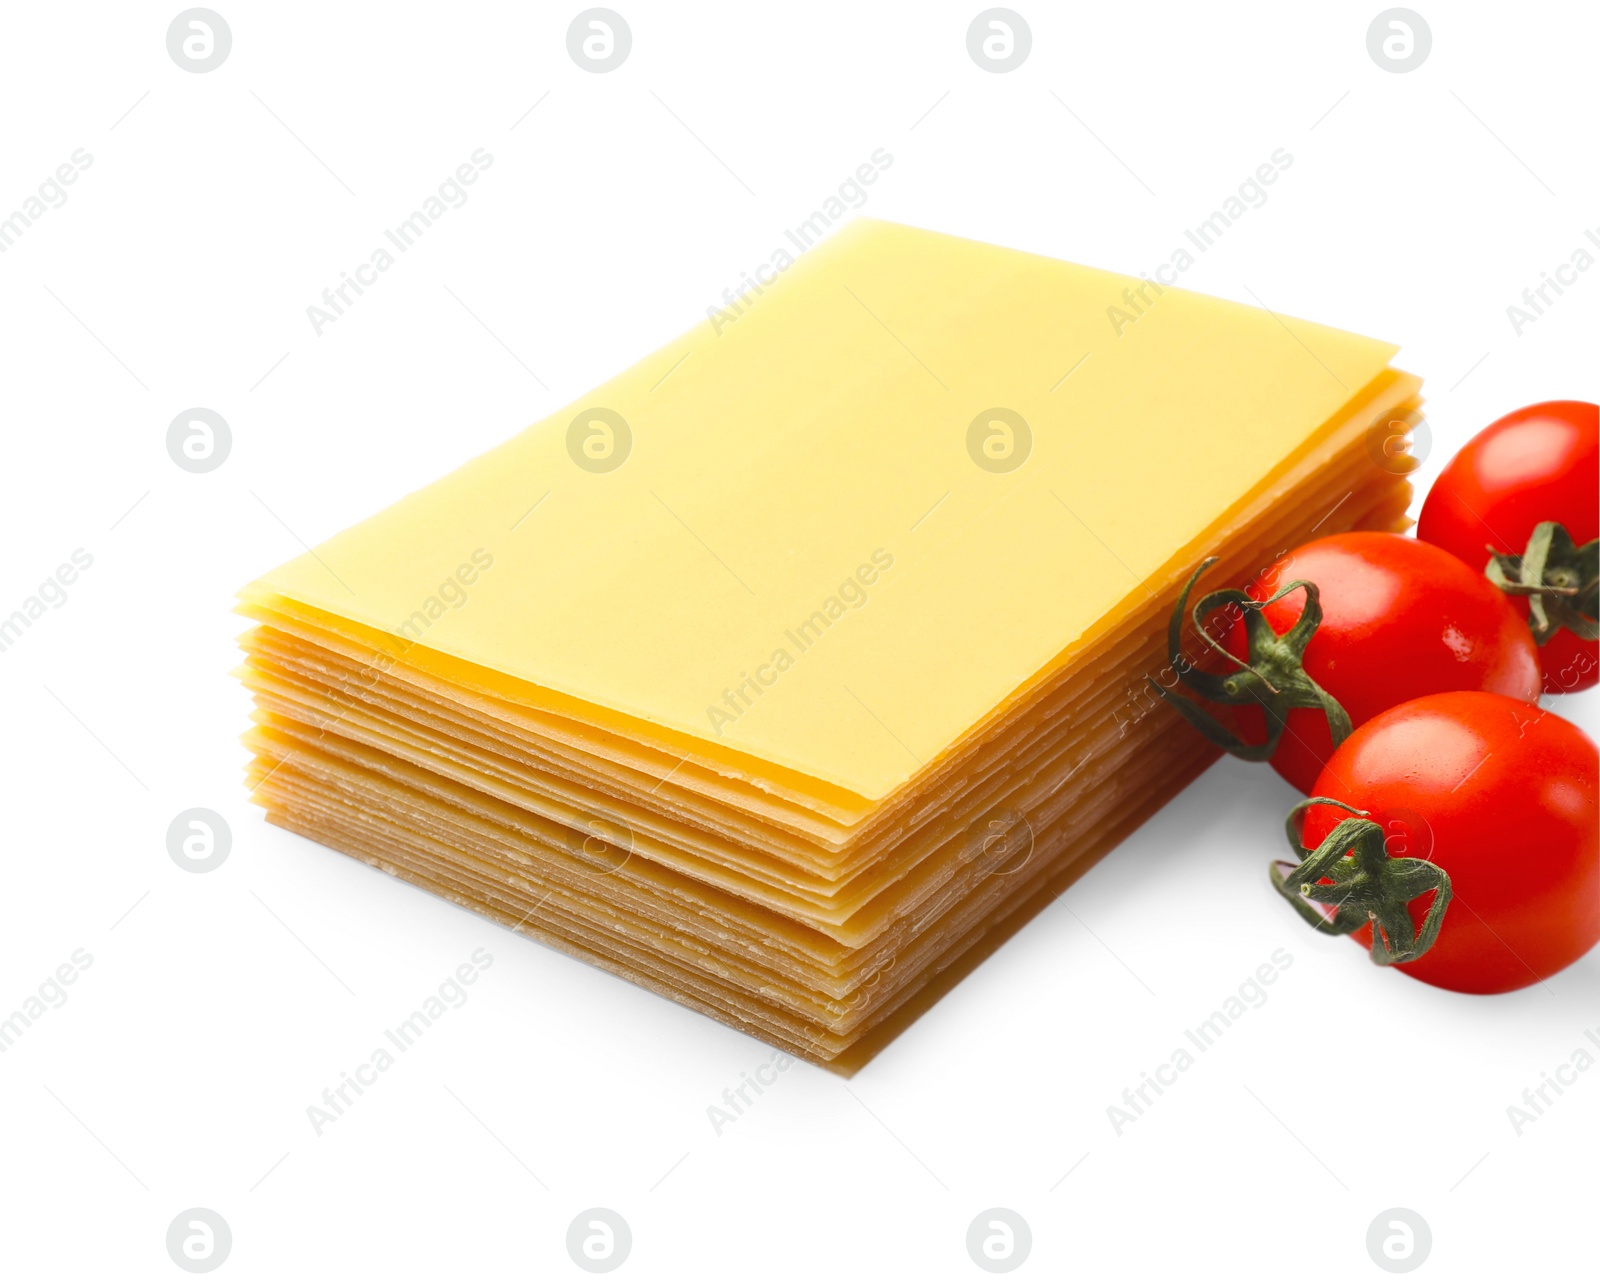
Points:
x=1273, y=676
x=1353, y=873
x=1560, y=579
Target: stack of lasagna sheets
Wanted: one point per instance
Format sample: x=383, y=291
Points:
x=792, y=670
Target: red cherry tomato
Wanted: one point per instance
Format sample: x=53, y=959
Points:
x=1503, y=797
x=1536, y=464
x=1401, y=619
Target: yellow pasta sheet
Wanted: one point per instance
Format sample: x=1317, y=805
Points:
x=815, y=561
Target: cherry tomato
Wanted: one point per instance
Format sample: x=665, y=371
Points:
x=1501, y=795
x=1541, y=463
x=1401, y=619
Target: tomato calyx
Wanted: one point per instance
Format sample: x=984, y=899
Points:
x=1560, y=579
x=1353, y=873
x=1273, y=677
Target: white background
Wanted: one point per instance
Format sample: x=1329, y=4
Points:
x=218, y=1007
